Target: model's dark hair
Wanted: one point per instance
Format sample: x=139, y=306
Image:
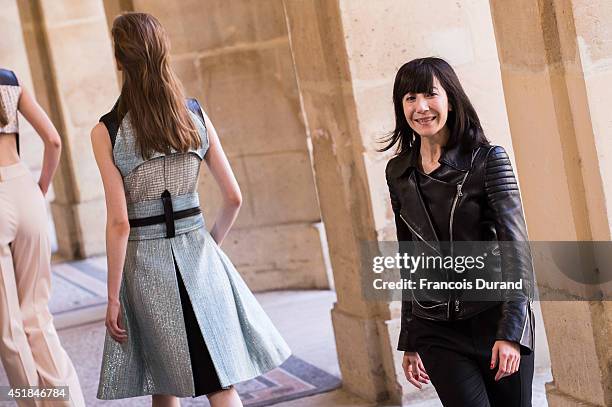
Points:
x=417, y=76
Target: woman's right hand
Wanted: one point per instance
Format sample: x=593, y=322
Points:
x=114, y=325
x=414, y=369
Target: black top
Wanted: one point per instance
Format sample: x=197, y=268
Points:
x=435, y=188
x=8, y=78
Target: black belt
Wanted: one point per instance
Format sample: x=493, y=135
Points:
x=168, y=217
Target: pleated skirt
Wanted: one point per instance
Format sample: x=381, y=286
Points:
x=193, y=325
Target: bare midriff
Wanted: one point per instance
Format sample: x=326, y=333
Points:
x=8, y=149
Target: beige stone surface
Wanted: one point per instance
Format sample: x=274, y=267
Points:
x=276, y=189
x=252, y=99
x=574, y=331
x=546, y=176
x=590, y=20
x=521, y=49
x=92, y=221
x=330, y=108
x=565, y=190
x=363, y=376
x=197, y=26
x=64, y=11
x=64, y=223
x=113, y=8
x=597, y=164
x=282, y=188
x=557, y=398
x=286, y=256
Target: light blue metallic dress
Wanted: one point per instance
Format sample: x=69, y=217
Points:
x=241, y=339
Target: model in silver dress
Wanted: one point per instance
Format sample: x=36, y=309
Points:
x=184, y=322
x=155, y=359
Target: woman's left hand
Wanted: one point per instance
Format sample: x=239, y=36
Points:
x=42, y=188
x=114, y=324
x=508, y=355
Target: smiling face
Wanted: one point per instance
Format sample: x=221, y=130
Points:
x=426, y=113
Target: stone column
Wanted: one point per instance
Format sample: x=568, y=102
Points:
x=345, y=79
x=556, y=80
x=75, y=78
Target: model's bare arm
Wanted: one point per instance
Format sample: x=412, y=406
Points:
x=31, y=110
x=117, y=225
x=222, y=172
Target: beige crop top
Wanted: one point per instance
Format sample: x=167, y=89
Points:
x=10, y=91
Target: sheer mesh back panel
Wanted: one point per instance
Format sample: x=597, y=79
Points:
x=178, y=173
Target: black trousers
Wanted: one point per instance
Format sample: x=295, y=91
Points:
x=457, y=357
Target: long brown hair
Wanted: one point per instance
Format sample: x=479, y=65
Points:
x=3, y=116
x=151, y=92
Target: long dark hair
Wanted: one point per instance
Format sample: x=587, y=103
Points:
x=417, y=76
x=151, y=93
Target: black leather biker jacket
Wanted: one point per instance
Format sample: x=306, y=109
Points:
x=486, y=206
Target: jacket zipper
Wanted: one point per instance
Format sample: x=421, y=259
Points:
x=419, y=236
x=458, y=194
x=434, y=249
x=450, y=226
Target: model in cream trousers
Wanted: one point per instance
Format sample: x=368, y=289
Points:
x=29, y=345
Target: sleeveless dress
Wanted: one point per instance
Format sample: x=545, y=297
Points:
x=193, y=325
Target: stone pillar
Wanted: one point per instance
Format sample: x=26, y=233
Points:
x=234, y=57
x=346, y=79
x=553, y=56
x=75, y=78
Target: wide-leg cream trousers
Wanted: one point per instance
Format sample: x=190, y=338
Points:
x=29, y=346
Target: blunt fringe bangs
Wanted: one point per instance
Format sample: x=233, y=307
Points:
x=417, y=76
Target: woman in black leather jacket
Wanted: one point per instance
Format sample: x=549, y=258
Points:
x=448, y=184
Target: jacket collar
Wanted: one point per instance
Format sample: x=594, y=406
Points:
x=456, y=157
